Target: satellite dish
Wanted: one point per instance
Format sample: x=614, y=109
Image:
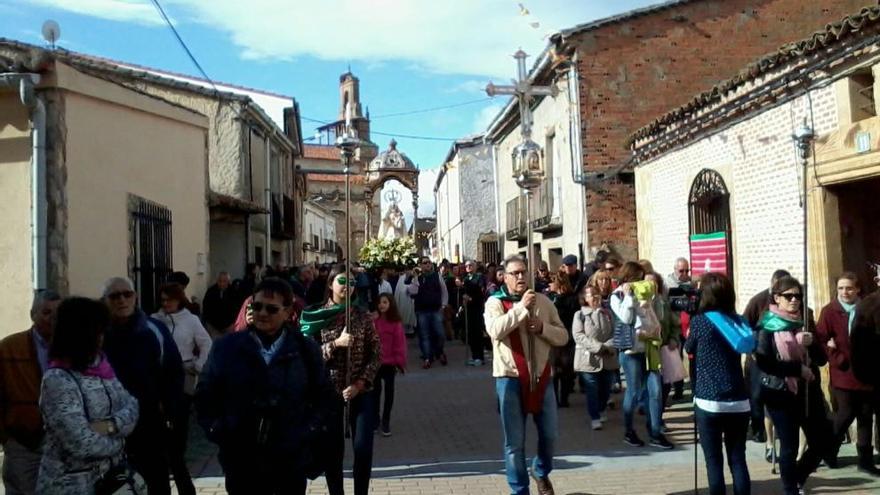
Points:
x=51, y=32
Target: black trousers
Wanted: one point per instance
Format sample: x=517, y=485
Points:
x=756, y=402
x=362, y=421
x=852, y=404
x=250, y=473
x=177, y=450
x=475, y=328
x=385, y=382
x=147, y=454
x=789, y=415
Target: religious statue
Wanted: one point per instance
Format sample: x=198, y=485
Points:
x=393, y=224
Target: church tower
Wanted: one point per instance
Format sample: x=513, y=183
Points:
x=350, y=93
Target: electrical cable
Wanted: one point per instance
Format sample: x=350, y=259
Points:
x=432, y=109
x=183, y=44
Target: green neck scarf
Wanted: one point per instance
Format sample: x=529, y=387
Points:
x=505, y=296
x=773, y=322
x=317, y=317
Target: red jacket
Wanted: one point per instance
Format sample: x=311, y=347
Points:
x=392, y=341
x=834, y=324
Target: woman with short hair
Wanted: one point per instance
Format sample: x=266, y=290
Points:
x=854, y=398
x=87, y=413
x=789, y=358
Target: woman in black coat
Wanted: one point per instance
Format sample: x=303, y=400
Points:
x=564, y=298
x=789, y=357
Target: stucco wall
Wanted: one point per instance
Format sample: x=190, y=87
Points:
x=114, y=151
x=228, y=250
x=551, y=118
x=450, y=211
x=321, y=223
x=759, y=165
x=15, y=236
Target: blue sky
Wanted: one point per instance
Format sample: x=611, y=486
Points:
x=408, y=54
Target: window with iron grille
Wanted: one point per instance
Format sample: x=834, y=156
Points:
x=150, y=249
x=709, y=213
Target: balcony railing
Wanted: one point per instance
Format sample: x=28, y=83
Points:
x=546, y=207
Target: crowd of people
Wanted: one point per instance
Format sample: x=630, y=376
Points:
x=281, y=367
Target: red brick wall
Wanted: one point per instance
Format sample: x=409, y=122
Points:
x=635, y=71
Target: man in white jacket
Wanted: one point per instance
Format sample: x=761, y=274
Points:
x=524, y=326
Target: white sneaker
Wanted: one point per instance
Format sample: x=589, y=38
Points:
x=597, y=424
x=478, y=362
x=603, y=417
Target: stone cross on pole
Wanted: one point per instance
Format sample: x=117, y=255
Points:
x=523, y=90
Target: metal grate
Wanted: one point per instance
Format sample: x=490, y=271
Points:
x=150, y=249
x=709, y=209
x=867, y=100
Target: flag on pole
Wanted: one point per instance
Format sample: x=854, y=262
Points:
x=709, y=253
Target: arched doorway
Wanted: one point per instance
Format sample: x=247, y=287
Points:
x=711, y=246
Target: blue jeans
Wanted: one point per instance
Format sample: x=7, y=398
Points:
x=637, y=378
x=513, y=423
x=597, y=388
x=431, y=334
x=732, y=427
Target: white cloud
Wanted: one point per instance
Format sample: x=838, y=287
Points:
x=475, y=86
x=485, y=117
x=449, y=36
x=136, y=11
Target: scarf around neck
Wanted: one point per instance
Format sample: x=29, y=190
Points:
x=504, y=295
x=784, y=327
x=850, y=310
x=317, y=317
x=100, y=369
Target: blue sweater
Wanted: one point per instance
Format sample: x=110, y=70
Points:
x=719, y=375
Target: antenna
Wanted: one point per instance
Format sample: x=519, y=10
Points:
x=51, y=32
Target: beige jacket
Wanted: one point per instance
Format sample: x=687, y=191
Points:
x=501, y=325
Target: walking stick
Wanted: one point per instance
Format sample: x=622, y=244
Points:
x=467, y=331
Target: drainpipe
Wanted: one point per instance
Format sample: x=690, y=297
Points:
x=268, y=200
x=577, y=157
x=39, y=203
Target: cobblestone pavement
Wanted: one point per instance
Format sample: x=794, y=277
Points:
x=447, y=440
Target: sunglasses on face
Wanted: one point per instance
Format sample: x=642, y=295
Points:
x=684, y=270
x=270, y=308
x=125, y=294
x=792, y=296
x=344, y=281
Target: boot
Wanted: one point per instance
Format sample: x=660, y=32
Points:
x=866, y=461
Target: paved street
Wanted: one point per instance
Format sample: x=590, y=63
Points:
x=446, y=439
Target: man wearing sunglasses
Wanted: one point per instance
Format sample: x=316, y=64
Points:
x=517, y=317
x=264, y=396
x=148, y=364
x=681, y=274
x=24, y=356
x=430, y=296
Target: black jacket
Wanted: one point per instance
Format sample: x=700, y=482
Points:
x=237, y=391
x=220, y=307
x=865, y=340
x=151, y=372
x=774, y=370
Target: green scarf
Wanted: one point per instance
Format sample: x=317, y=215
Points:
x=504, y=295
x=773, y=322
x=850, y=312
x=317, y=317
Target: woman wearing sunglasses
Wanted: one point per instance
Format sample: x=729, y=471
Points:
x=789, y=357
x=351, y=356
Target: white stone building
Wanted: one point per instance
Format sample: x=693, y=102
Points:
x=726, y=162
x=319, y=234
x=558, y=213
x=465, y=202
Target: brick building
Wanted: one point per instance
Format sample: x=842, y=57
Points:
x=726, y=163
x=635, y=66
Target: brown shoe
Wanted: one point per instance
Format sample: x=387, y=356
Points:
x=544, y=486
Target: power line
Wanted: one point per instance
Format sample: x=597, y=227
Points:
x=432, y=109
x=183, y=44
x=391, y=134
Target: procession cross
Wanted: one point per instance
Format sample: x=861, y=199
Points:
x=524, y=91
